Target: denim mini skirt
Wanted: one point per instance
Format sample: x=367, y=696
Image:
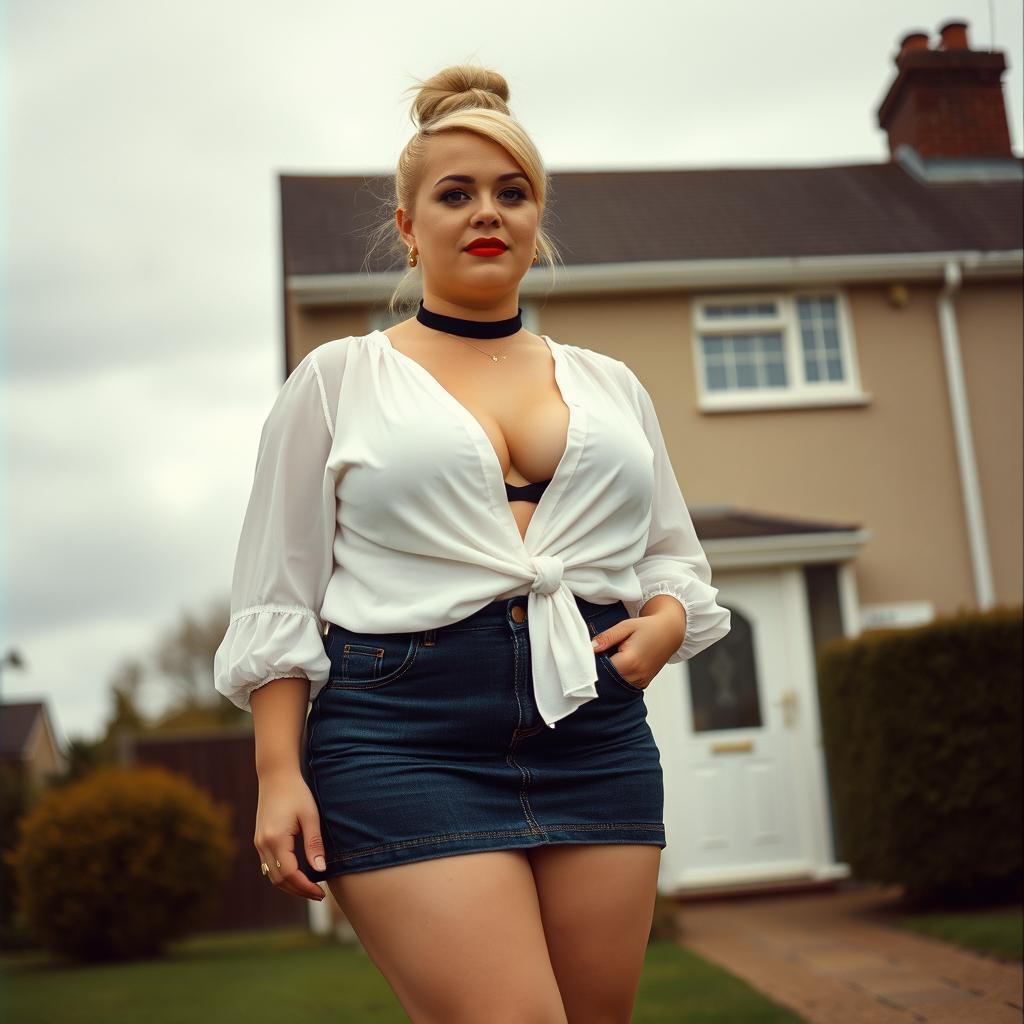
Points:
x=429, y=743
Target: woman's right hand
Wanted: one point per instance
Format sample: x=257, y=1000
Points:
x=286, y=807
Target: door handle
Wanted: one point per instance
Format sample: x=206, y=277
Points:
x=789, y=704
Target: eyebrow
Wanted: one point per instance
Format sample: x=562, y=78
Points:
x=470, y=180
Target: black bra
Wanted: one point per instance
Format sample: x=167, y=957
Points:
x=527, y=492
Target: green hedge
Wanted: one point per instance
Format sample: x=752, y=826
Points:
x=922, y=735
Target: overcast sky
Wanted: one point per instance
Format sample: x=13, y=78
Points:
x=142, y=340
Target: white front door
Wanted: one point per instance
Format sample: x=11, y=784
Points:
x=739, y=735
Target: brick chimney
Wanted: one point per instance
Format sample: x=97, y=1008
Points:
x=947, y=101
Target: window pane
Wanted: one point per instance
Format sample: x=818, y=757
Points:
x=744, y=361
x=723, y=310
x=819, y=339
x=716, y=378
x=746, y=375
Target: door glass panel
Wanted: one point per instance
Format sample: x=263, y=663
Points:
x=724, y=688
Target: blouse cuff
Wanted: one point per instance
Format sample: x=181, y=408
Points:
x=268, y=642
x=706, y=620
x=676, y=591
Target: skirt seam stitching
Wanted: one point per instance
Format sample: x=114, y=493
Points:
x=564, y=827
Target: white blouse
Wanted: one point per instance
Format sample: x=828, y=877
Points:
x=379, y=503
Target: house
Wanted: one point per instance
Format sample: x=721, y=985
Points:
x=29, y=746
x=835, y=355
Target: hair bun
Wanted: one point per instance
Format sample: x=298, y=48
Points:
x=459, y=87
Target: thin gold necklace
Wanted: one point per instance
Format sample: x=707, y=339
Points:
x=490, y=355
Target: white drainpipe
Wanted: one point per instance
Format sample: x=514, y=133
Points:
x=969, y=488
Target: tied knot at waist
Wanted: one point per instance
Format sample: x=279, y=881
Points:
x=549, y=570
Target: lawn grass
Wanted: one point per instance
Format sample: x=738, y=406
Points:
x=990, y=932
x=264, y=977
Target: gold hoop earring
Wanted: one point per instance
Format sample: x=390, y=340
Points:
x=536, y=255
x=412, y=256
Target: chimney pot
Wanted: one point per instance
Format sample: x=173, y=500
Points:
x=912, y=41
x=954, y=36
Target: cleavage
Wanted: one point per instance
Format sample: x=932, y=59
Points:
x=528, y=437
x=517, y=405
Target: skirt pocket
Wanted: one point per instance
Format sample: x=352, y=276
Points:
x=597, y=624
x=367, y=660
x=605, y=659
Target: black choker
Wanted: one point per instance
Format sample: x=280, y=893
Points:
x=470, y=328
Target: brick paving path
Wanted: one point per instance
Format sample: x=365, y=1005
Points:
x=834, y=959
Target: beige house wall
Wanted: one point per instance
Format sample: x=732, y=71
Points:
x=313, y=325
x=991, y=320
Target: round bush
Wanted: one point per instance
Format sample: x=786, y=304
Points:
x=118, y=864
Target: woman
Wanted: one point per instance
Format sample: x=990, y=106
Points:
x=466, y=544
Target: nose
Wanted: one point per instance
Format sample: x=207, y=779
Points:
x=487, y=214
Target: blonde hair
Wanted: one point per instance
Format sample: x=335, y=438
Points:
x=474, y=99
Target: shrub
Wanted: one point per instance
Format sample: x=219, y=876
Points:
x=15, y=798
x=922, y=733
x=116, y=865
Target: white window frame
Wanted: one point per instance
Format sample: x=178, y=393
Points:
x=799, y=393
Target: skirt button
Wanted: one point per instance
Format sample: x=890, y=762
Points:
x=518, y=613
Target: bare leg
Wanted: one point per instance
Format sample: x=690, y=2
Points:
x=459, y=938
x=597, y=904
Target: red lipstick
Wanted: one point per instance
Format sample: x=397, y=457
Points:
x=486, y=247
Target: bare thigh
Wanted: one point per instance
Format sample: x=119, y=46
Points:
x=597, y=904
x=459, y=939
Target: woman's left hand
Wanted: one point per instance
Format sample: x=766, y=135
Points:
x=646, y=642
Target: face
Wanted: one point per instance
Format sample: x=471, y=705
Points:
x=448, y=215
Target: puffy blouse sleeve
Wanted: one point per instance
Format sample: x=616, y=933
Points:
x=284, y=558
x=674, y=562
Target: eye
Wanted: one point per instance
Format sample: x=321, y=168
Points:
x=519, y=194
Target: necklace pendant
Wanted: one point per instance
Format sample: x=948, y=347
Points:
x=494, y=359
